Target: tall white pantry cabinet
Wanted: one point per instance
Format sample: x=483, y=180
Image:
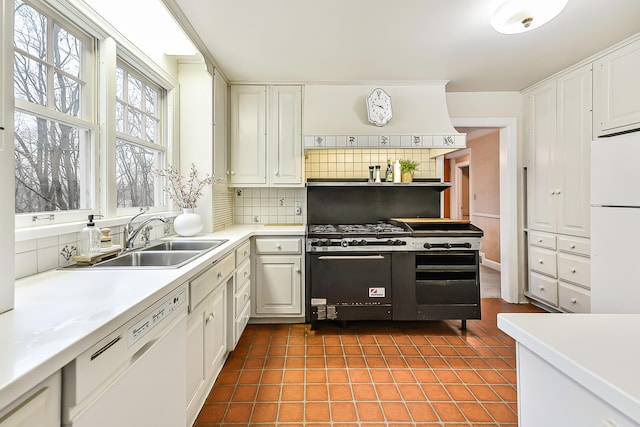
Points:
x=558, y=124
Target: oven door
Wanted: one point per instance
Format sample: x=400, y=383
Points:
x=349, y=286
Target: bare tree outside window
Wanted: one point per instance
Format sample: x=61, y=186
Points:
x=48, y=151
x=138, y=152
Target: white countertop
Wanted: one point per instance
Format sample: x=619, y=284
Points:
x=60, y=313
x=599, y=351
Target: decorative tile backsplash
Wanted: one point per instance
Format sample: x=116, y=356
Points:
x=355, y=162
x=270, y=205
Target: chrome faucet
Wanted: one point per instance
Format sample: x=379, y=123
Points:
x=130, y=234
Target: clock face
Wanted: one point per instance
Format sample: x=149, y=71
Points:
x=379, y=107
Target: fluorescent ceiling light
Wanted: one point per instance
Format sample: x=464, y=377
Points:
x=146, y=23
x=518, y=16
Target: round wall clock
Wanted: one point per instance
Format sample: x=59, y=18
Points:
x=379, y=107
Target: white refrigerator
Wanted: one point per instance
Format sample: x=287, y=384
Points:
x=615, y=224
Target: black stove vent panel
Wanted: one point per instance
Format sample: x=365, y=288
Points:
x=366, y=204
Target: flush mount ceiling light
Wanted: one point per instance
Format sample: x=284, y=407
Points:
x=518, y=16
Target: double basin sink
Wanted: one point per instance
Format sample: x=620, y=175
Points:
x=164, y=254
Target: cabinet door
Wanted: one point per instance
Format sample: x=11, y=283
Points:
x=39, y=407
x=572, y=158
x=248, y=135
x=278, y=285
x=542, y=188
x=617, y=90
x=215, y=332
x=195, y=361
x=285, y=135
x=220, y=129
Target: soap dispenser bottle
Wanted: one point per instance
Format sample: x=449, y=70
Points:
x=90, y=239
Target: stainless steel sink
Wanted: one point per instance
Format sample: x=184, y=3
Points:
x=185, y=245
x=165, y=254
x=148, y=259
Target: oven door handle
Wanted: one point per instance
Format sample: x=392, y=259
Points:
x=349, y=257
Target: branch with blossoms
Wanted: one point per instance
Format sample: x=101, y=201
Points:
x=185, y=192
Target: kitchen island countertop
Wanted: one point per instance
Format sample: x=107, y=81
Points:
x=60, y=313
x=600, y=352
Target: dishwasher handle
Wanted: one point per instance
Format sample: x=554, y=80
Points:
x=105, y=347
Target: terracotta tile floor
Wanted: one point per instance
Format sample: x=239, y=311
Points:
x=370, y=373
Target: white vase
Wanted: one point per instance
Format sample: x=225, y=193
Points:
x=188, y=223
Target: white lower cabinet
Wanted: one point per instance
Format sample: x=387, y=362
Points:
x=278, y=281
x=207, y=332
x=548, y=397
x=39, y=407
x=559, y=271
x=239, y=295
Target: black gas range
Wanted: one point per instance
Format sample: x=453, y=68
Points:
x=410, y=265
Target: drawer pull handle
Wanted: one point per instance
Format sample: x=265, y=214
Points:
x=540, y=261
x=573, y=270
x=219, y=274
x=572, y=246
x=246, y=273
x=573, y=301
x=541, y=287
x=279, y=246
x=553, y=193
x=539, y=240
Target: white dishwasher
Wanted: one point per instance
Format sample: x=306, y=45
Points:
x=136, y=375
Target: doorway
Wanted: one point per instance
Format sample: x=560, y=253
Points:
x=462, y=184
x=511, y=253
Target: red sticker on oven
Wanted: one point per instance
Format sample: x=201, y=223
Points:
x=376, y=292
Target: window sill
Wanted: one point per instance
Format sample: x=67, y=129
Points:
x=29, y=233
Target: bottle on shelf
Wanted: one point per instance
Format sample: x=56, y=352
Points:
x=396, y=171
x=378, y=174
x=388, y=176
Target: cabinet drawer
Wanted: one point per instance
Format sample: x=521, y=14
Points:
x=543, y=261
x=243, y=252
x=242, y=297
x=543, y=240
x=544, y=288
x=576, y=269
x=574, y=299
x=243, y=273
x=574, y=245
x=278, y=246
x=207, y=281
x=242, y=320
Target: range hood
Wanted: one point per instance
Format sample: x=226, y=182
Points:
x=419, y=108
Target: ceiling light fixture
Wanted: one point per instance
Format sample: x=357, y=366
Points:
x=518, y=16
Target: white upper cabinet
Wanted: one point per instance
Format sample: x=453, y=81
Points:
x=248, y=135
x=266, y=136
x=285, y=135
x=220, y=129
x=616, y=91
x=559, y=131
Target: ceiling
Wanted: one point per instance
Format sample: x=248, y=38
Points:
x=399, y=40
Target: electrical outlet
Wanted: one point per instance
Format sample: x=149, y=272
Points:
x=238, y=193
x=298, y=209
x=256, y=219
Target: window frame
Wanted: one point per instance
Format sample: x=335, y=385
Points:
x=160, y=146
x=85, y=121
x=108, y=47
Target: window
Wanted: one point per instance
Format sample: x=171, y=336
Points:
x=139, y=139
x=53, y=131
